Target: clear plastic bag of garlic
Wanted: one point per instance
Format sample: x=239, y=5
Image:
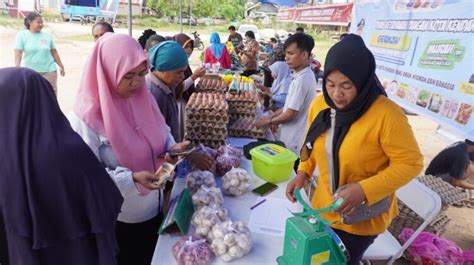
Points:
x=231, y=240
x=192, y=250
x=207, y=217
x=235, y=182
x=198, y=178
x=205, y=196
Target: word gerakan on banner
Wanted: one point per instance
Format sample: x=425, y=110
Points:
x=424, y=53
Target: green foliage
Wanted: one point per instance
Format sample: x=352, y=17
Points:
x=227, y=9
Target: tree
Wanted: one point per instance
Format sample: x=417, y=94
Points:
x=228, y=9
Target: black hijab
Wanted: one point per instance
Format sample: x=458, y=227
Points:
x=352, y=58
x=52, y=187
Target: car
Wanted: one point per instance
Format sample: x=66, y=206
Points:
x=248, y=27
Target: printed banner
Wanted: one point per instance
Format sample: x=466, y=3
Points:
x=286, y=15
x=424, y=54
x=321, y=15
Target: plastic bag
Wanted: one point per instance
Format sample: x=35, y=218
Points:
x=207, y=217
x=207, y=196
x=236, y=182
x=227, y=149
x=229, y=157
x=431, y=249
x=231, y=240
x=198, y=178
x=192, y=250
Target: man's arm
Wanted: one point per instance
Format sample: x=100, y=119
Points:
x=462, y=184
x=279, y=117
x=284, y=117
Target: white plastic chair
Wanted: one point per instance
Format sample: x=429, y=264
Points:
x=423, y=201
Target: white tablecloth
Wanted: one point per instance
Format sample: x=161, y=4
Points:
x=265, y=249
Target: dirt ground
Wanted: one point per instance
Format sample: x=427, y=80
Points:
x=74, y=54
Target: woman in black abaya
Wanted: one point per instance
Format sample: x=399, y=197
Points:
x=57, y=203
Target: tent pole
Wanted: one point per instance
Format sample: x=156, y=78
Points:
x=130, y=17
x=181, y=15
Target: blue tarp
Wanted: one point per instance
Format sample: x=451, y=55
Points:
x=284, y=2
x=91, y=3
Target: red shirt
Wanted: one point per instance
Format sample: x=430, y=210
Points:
x=224, y=60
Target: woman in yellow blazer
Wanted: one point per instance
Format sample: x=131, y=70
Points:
x=374, y=151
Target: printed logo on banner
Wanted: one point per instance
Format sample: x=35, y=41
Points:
x=442, y=54
x=390, y=48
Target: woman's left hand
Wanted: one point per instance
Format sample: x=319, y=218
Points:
x=353, y=196
x=177, y=146
x=61, y=71
x=201, y=161
x=199, y=72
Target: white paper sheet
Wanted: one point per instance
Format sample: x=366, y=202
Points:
x=270, y=217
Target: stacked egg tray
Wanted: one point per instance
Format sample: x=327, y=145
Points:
x=206, y=119
x=242, y=103
x=245, y=127
x=407, y=218
x=211, y=83
x=449, y=194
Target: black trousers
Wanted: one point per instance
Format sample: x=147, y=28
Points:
x=137, y=241
x=355, y=244
x=3, y=243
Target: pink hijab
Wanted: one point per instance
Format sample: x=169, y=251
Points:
x=134, y=126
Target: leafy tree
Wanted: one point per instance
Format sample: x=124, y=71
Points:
x=228, y=9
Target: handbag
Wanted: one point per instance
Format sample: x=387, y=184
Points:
x=364, y=211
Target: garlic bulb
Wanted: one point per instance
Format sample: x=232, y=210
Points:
x=235, y=182
x=207, y=217
x=198, y=178
x=205, y=196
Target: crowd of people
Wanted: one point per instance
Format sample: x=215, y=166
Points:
x=81, y=189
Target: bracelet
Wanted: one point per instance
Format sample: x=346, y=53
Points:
x=270, y=123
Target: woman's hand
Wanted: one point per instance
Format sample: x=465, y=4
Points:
x=177, y=146
x=199, y=72
x=262, y=87
x=61, y=71
x=201, y=161
x=353, y=196
x=147, y=180
x=296, y=184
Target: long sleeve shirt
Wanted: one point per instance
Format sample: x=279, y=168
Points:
x=379, y=152
x=135, y=208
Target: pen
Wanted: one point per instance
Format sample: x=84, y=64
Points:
x=257, y=204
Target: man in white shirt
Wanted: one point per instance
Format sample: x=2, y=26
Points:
x=293, y=117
